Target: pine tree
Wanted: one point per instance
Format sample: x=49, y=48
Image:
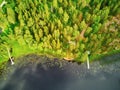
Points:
x=46, y=11
x=60, y=10
x=46, y=31
x=60, y=1
x=55, y=4
x=60, y=25
x=40, y=33
x=83, y=25
x=11, y=15
x=88, y=31
x=88, y=16
x=18, y=31
x=58, y=44
x=65, y=17
x=56, y=34
x=30, y=22
x=28, y=37
x=3, y=21
x=53, y=44
x=37, y=37
x=65, y=3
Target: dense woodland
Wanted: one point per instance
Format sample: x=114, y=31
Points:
x=64, y=28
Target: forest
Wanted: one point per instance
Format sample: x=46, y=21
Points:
x=69, y=29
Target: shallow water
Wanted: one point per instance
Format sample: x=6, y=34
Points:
x=62, y=75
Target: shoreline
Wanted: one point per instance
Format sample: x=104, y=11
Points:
x=34, y=58
x=37, y=69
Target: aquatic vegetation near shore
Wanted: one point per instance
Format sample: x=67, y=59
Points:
x=63, y=28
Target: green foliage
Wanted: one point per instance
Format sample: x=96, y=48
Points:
x=65, y=17
x=62, y=26
x=28, y=37
x=11, y=15
x=55, y=4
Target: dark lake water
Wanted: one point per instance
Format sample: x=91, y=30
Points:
x=62, y=75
